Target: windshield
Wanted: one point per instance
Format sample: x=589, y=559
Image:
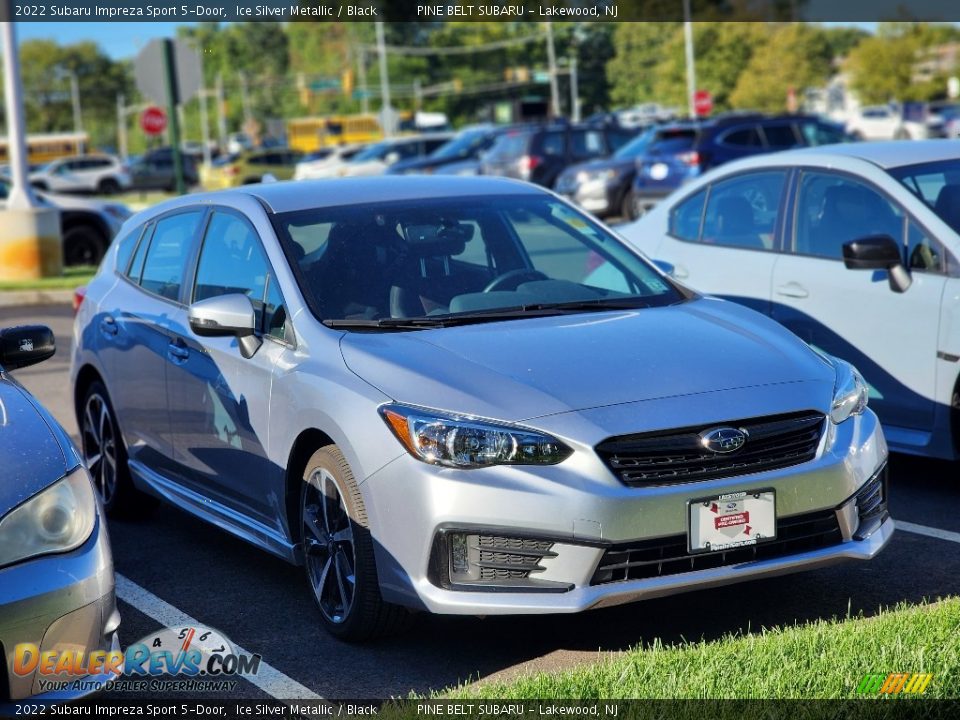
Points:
x=372, y=152
x=937, y=184
x=440, y=259
x=462, y=146
x=636, y=147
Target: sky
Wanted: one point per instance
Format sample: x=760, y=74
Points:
x=118, y=39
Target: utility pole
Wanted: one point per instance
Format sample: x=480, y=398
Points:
x=574, y=90
x=417, y=95
x=173, y=99
x=691, y=67
x=245, y=98
x=386, y=110
x=221, y=114
x=362, y=76
x=77, y=113
x=204, y=127
x=121, y=127
x=552, y=60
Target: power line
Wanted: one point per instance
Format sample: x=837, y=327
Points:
x=422, y=51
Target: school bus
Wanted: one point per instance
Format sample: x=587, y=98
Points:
x=309, y=134
x=43, y=148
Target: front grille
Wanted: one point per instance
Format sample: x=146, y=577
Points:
x=678, y=456
x=669, y=556
x=501, y=558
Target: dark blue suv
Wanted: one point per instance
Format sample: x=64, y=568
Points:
x=681, y=151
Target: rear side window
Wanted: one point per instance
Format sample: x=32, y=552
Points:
x=685, y=217
x=136, y=267
x=553, y=143
x=781, y=136
x=674, y=141
x=126, y=245
x=742, y=211
x=168, y=253
x=587, y=144
x=742, y=137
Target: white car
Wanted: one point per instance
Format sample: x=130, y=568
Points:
x=325, y=162
x=102, y=174
x=376, y=158
x=854, y=248
x=886, y=122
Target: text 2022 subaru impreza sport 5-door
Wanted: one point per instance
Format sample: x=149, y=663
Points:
x=462, y=395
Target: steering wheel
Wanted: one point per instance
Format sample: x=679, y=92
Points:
x=517, y=276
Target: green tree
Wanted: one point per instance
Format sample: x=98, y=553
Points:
x=796, y=56
x=638, y=52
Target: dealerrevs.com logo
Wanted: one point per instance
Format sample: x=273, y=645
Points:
x=894, y=683
x=186, y=659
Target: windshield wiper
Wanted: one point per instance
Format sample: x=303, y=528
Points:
x=508, y=313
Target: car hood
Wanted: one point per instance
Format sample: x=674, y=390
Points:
x=31, y=447
x=521, y=369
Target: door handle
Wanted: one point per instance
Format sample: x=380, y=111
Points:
x=177, y=352
x=108, y=326
x=792, y=289
x=680, y=272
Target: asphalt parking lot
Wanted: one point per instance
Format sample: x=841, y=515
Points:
x=173, y=569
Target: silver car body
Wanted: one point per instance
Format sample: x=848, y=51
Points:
x=53, y=600
x=582, y=378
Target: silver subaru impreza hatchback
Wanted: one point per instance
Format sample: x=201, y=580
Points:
x=462, y=395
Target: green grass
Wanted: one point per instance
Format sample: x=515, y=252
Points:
x=820, y=660
x=72, y=277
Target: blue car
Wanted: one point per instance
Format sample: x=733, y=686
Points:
x=685, y=150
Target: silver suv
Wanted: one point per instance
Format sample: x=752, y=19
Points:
x=463, y=395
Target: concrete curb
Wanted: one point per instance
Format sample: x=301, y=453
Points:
x=14, y=298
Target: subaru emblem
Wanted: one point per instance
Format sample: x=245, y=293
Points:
x=723, y=439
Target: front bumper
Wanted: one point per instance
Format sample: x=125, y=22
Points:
x=585, y=511
x=59, y=602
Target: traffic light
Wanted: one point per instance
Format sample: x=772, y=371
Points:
x=346, y=82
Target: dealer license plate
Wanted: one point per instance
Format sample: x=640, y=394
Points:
x=731, y=520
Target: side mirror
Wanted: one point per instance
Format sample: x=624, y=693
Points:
x=878, y=252
x=25, y=345
x=665, y=267
x=226, y=316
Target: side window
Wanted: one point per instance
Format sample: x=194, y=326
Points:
x=587, y=143
x=685, y=217
x=923, y=253
x=258, y=160
x=781, y=135
x=743, y=211
x=833, y=210
x=231, y=261
x=168, y=253
x=136, y=267
x=126, y=245
x=431, y=145
x=816, y=133
x=553, y=143
x=742, y=137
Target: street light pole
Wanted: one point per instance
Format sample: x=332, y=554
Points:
x=691, y=67
x=362, y=72
x=21, y=193
x=552, y=61
x=221, y=114
x=386, y=110
x=121, y=127
x=574, y=90
x=75, y=101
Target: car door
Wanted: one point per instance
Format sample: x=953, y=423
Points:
x=219, y=400
x=890, y=337
x=723, y=239
x=134, y=334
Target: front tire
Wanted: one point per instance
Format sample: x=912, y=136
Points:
x=628, y=209
x=105, y=456
x=109, y=186
x=338, y=552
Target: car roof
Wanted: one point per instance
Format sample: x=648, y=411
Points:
x=297, y=195
x=890, y=153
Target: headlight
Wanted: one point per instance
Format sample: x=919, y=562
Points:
x=584, y=176
x=850, y=393
x=462, y=442
x=57, y=519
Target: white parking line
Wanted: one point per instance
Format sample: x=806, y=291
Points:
x=268, y=678
x=928, y=531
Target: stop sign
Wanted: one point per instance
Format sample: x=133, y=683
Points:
x=702, y=102
x=153, y=121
